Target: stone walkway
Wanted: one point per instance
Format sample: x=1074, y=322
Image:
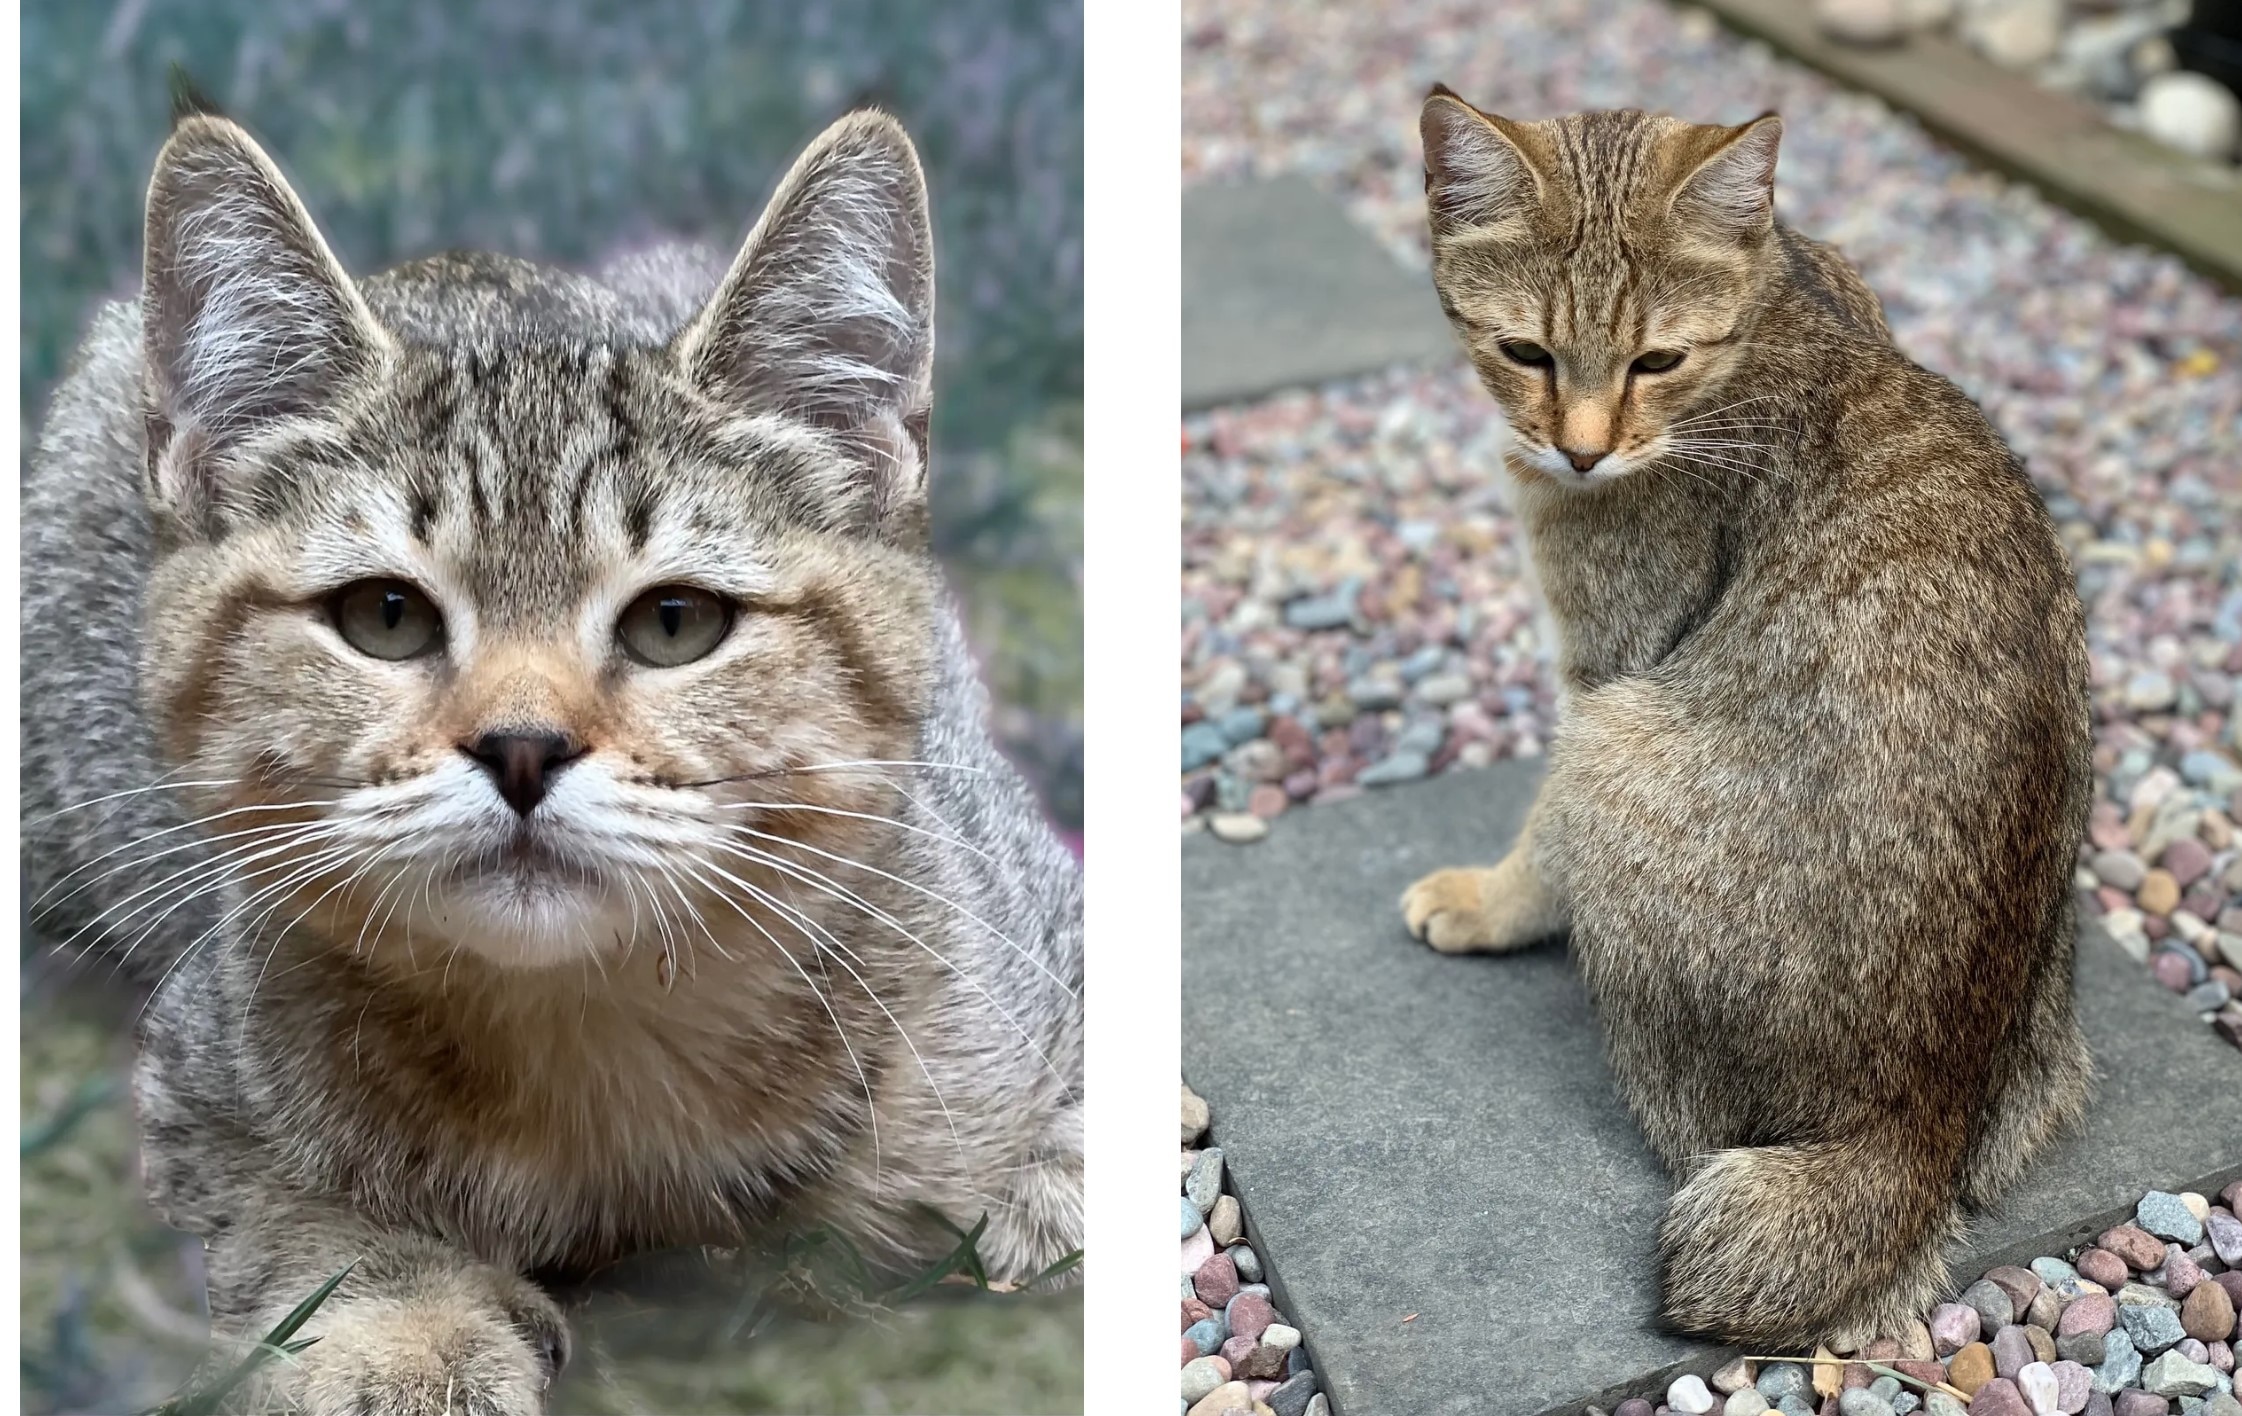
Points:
x=1449, y=1198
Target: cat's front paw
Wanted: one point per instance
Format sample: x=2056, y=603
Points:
x=1448, y=910
x=1467, y=911
x=431, y=1357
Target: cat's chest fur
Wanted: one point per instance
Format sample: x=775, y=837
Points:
x=1625, y=569
x=575, y=1119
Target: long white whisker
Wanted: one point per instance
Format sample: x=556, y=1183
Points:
x=961, y=844
x=187, y=826
x=883, y=762
x=303, y=870
x=207, y=878
x=40, y=905
x=841, y=954
x=933, y=895
x=827, y=886
x=1717, y=460
x=348, y=879
x=280, y=842
x=358, y=945
x=128, y=792
x=871, y=1111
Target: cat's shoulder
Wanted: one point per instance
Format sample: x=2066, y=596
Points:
x=1821, y=271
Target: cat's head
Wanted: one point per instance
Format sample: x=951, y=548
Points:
x=524, y=641
x=1600, y=269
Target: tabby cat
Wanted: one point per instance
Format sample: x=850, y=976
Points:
x=516, y=716
x=1822, y=774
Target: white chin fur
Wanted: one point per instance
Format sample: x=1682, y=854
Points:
x=526, y=921
x=515, y=913
x=1558, y=468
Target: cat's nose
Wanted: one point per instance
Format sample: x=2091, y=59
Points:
x=1583, y=459
x=523, y=764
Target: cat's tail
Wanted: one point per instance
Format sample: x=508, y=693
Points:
x=1790, y=1245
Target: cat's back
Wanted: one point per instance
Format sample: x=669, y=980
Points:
x=1917, y=476
x=1900, y=578
x=89, y=779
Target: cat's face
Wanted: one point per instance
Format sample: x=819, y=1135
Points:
x=527, y=648
x=1598, y=270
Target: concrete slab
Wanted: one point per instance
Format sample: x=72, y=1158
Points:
x=1281, y=288
x=1420, y=1135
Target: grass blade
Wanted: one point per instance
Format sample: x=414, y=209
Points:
x=91, y=1094
x=1065, y=1265
x=276, y=1343
x=966, y=1257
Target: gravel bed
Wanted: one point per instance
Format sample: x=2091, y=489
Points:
x=2129, y=1325
x=1239, y=1352
x=1356, y=608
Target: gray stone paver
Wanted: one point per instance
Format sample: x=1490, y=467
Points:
x=1414, y=1134
x=1281, y=288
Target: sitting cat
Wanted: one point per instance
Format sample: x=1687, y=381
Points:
x=516, y=717
x=1812, y=812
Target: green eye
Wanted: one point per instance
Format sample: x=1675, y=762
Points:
x=386, y=619
x=671, y=625
x=1658, y=361
x=1525, y=352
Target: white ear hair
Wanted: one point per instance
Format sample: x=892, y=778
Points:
x=1733, y=190
x=246, y=316
x=1475, y=176
x=827, y=313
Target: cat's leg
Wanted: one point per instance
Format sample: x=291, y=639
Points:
x=1000, y=1147
x=1490, y=910
x=1041, y=1220
x=418, y=1328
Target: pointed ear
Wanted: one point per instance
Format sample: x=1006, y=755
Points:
x=1729, y=183
x=246, y=317
x=1476, y=174
x=827, y=314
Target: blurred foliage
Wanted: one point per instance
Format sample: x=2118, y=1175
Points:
x=569, y=130
x=112, y=1301
x=565, y=129
x=1003, y=520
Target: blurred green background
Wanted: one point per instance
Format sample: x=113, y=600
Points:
x=569, y=130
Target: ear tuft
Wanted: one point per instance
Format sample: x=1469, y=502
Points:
x=1476, y=176
x=1732, y=187
x=827, y=313
x=187, y=98
x=246, y=317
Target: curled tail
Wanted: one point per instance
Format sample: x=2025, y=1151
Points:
x=1796, y=1244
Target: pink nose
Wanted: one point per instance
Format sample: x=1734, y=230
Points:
x=1582, y=460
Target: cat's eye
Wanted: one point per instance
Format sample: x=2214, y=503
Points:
x=1522, y=351
x=386, y=619
x=1658, y=361
x=673, y=624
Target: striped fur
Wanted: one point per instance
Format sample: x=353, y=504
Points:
x=788, y=944
x=1823, y=770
